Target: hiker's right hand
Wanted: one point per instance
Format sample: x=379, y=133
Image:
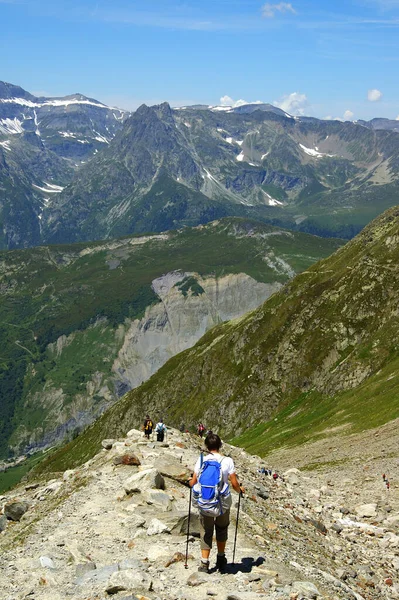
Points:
x=242, y=489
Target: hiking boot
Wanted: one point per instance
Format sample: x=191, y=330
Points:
x=204, y=567
x=221, y=562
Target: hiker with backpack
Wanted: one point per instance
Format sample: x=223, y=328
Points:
x=201, y=429
x=148, y=427
x=160, y=430
x=211, y=495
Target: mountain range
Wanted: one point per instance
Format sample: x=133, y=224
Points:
x=73, y=169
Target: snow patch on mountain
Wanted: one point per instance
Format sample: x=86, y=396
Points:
x=5, y=145
x=65, y=103
x=50, y=188
x=315, y=152
x=11, y=126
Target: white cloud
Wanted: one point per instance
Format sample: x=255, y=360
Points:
x=374, y=95
x=269, y=10
x=228, y=101
x=397, y=118
x=348, y=115
x=294, y=104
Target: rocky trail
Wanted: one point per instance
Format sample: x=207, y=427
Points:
x=116, y=527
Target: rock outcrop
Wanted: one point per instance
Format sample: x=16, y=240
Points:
x=181, y=319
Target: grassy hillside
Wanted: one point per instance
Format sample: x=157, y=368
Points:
x=321, y=353
x=63, y=308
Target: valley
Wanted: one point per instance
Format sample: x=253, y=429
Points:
x=83, y=324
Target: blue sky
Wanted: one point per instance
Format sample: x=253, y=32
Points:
x=322, y=58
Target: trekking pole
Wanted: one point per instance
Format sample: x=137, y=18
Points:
x=188, y=527
x=238, y=514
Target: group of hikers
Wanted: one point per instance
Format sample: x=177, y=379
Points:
x=160, y=429
x=209, y=493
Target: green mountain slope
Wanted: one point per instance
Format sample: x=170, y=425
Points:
x=82, y=324
x=320, y=353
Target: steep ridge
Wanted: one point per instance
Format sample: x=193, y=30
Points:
x=83, y=324
x=187, y=166
x=320, y=353
x=117, y=527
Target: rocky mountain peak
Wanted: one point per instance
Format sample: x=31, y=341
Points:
x=8, y=90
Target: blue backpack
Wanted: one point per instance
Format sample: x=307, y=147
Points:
x=210, y=494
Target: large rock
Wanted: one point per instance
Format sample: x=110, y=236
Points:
x=366, y=510
x=157, y=527
x=292, y=476
x=128, y=459
x=107, y=444
x=16, y=509
x=305, y=589
x=178, y=521
x=126, y=581
x=159, y=499
x=144, y=480
x=172, y=468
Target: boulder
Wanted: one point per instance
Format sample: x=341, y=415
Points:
x=128, y=459
x=197, y=579
x=144, y=480
x=32, y=486
x=306, y=589
x=177, y=523
x=160, y=499
x=15, y=509
x=53, y=487
x=68, y=474
x=292, y=476
x=107, y=444
x=156, y=527
x=134, y=433
x=171, y=467
x=126, y=581
x=366, y=510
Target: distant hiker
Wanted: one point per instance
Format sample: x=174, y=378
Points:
x=148, y=427
x=201, y=429
x=384, y=476
x=182, y=428
x=211, y=495
x=275, y=476
x=160, y=430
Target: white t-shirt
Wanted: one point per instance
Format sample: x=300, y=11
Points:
x=226, y=462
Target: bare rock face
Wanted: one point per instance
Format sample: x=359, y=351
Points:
x=182, y=318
